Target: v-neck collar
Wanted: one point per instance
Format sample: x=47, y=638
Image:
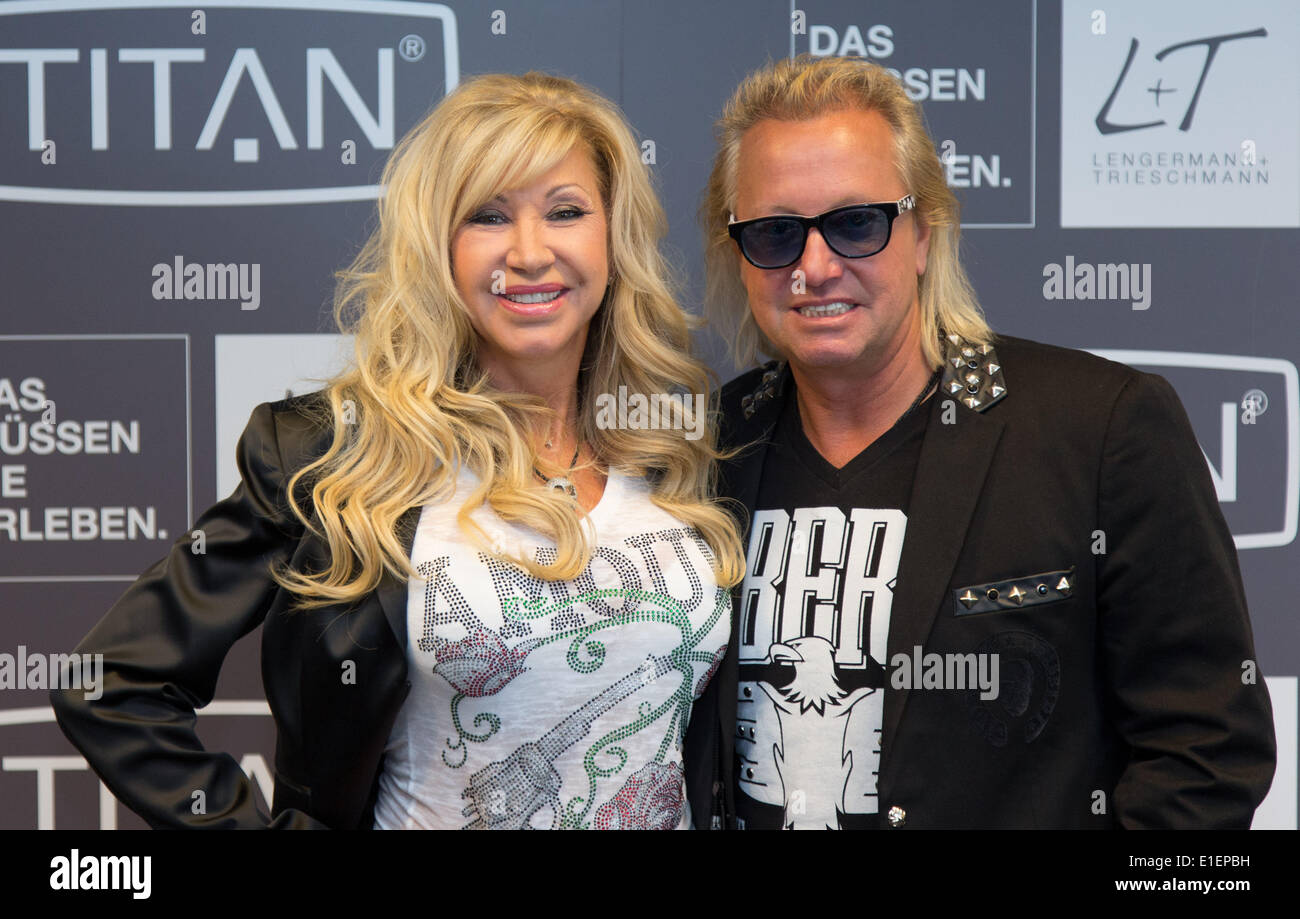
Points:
x=791, y=426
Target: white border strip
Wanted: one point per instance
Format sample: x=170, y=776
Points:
x=1278, y=809
x=45, y=714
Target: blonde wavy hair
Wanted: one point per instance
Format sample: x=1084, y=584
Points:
x=802, y=88
x=415, y=407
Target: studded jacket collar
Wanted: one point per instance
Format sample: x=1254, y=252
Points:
x=971, y=373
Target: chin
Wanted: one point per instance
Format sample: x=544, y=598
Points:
x=824, y=358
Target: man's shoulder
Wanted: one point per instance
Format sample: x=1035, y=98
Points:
x=1039, y=374
x=1040, y=379
x=1037, y=356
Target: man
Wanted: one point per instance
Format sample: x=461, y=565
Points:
x=989, y=583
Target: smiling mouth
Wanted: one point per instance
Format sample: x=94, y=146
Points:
x=822, y=310
x=542, y=297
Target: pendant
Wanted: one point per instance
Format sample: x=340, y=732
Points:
x=563, y=485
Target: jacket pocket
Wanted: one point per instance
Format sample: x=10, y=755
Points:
x=1014, y=593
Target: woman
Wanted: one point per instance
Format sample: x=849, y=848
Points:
x=483, y=605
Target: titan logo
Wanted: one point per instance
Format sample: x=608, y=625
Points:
x=1257, y=406
x=280, y=91
x=35, y=767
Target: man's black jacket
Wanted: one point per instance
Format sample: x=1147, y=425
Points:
x=1136, y=706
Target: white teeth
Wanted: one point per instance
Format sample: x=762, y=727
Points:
x=826, y=309
x=533, y=298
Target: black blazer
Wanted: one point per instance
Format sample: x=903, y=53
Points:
x=1128, y=706
x=164, y=640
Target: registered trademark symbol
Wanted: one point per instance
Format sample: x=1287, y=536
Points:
x=1255, y=402
x=411, y=47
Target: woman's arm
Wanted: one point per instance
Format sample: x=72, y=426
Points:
x=163, y=644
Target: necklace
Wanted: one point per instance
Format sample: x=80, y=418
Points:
x=563, y=483
x=934, y=378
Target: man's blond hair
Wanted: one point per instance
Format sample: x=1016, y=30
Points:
x=807, y=87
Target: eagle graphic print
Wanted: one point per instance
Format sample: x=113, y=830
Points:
x=814, y=620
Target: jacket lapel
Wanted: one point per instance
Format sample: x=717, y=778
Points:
x=950, y=473
x=740, y=479
x=748, y=472
x=743, y=475
x=392, y=592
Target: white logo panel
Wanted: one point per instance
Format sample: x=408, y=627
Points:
x=1176, y=114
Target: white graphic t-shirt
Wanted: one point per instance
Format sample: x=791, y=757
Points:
x=816, y=606
x=552, y=704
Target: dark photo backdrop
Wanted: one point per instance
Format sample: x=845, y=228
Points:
x=1128, y=173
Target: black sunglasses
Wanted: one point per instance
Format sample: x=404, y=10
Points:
x=855, y=231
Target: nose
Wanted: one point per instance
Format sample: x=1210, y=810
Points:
x=529, y=252
x=818, y=263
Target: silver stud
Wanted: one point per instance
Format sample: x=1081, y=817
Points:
x=1063, y=586
x=897, y=816
x=1016, y=594
x=992, y=593
x=968, y=599
x=965, y=369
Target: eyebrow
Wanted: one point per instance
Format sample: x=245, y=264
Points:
x=550, y=194
x=842, y=202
